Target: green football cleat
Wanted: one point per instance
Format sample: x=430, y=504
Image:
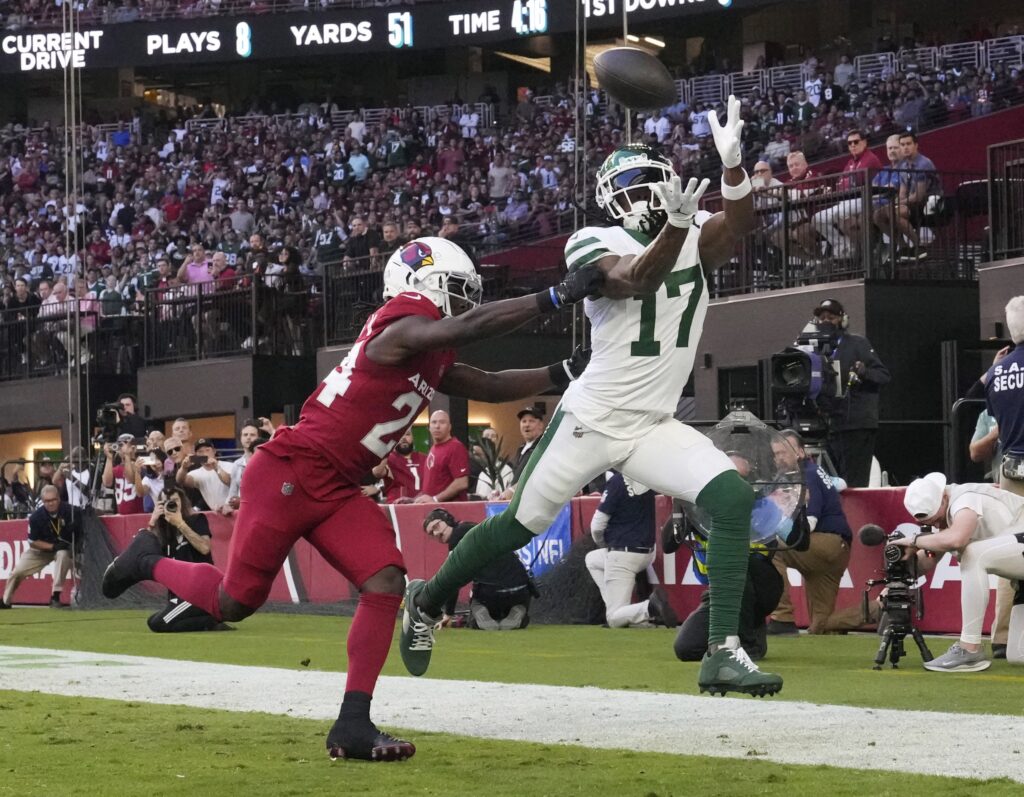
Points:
x=728, y=670
x=417, y=638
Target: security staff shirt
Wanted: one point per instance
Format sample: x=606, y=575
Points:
x=630, y=517
x=1004, y=392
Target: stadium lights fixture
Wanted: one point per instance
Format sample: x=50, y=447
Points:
x=655, y=42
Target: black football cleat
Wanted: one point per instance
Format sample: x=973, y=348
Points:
x=134, y=564
x=363, y=741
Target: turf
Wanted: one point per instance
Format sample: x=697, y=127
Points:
x=834, y=669
x=59, y=745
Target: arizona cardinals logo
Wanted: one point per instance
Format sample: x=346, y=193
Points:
x=416, y=255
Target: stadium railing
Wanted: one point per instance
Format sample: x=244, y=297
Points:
x=800, y=239
x=233, y=317
x=36, y=344
x=1006, y=198
x=341, y=118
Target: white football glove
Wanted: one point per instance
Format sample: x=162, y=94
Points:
x=680, y=206
x=727, y=137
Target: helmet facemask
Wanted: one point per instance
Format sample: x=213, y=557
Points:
x=627, y=194
x=454, y=292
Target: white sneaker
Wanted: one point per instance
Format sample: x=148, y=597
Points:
x=957, y=659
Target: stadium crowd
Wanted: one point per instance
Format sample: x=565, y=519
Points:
x=272, y=198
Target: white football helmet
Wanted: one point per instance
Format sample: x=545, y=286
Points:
x=625, y=184
x=436, y=268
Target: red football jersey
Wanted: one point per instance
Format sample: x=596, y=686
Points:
x=406, y=477
x=362, y=409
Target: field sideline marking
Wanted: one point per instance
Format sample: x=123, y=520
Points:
x=957, y=745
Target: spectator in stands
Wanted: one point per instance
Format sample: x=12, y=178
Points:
x=446, y=475
x=363, y=244
x=802, y=235
x=204, y=472
x=51, y=534
x=844, y=71
x=401, y=472
x=500, y=179
x=887, y=181
x=824, y=562
x=777, y=150
x=833, y=222
x=918, y=181
x=45, y=471
x=121, y=477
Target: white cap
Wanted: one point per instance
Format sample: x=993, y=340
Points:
x=924, y=496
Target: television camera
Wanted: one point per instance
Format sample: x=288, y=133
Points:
x=806, y=381
x=901, y=598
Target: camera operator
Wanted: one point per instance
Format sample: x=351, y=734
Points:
x=122, y=476
x=984, y=527
x=501, y=591
x=824, y=561
x=854, y=418
x=131, y=423
x=186, y=537
x=51, y=532
x=202, y=471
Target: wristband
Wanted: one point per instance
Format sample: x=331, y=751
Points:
x=559, y=375
x=547, y=301
x=736, y=192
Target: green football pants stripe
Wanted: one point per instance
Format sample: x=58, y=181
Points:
x=729, y=500
x=486, y=541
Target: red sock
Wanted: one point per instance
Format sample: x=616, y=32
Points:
x=196, y=582
x=369, y=639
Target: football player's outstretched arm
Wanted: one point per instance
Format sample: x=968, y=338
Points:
x=638, y=275
x=416, y=333
x=496, y=386
x=720, y=233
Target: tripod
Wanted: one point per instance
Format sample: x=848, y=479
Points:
x=897, y=608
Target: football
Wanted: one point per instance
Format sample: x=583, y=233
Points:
x=634, y=78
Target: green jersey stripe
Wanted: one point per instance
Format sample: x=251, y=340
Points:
x=580, y=245
x=589, y=257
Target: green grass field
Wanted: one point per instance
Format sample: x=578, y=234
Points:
x=51, y=744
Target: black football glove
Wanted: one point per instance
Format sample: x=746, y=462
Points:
x=577, y=286
x=568, y=370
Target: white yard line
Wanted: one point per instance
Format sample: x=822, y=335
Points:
x=930, y=742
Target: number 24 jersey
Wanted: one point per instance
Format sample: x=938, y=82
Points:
x=644, y=347
x=360, y=411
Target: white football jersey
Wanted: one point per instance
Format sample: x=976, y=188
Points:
x=999, y=511
x=643, y=347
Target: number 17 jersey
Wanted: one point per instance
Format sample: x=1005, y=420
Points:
x=361, y=410
x=644, y=347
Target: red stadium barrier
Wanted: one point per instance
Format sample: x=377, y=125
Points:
x=308, y=578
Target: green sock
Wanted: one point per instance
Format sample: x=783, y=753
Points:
x=485, y=542
x=729, y=500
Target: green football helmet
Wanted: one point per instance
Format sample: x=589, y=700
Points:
x=625, y=187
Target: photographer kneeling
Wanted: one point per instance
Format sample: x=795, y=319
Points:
x=185, y=536
x=501, y=591
x=984, y=526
